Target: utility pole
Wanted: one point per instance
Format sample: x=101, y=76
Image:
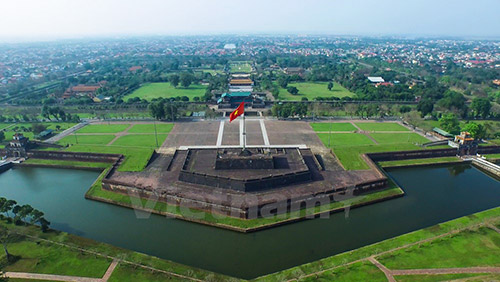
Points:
x=156, y=134
x=244, y=131
x=330, y=133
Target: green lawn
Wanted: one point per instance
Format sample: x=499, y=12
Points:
x=136, y=159
x=381, y=126
x=419, y=161
x=150, y=91
x=126, y=272
x=311, y=90
x=479, y=247
x=140, y=140
x=360, y=271
x=240, y=67
x=86, y=139
x=103, y=128
x=400, y=138
x=345, y=139
x=66, y=163
x=150, y=128
x=335, y=126
x=478, y=277
x=41, y=257
x=350, y=156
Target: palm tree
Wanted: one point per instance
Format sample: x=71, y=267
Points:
x=8, y=206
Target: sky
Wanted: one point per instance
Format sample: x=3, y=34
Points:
x=49, y=19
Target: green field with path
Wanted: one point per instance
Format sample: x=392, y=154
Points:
x=150, y=91
x=150, y=128
x=333, y=126
x=103, y=128
x=311, y=90
x=381, y=126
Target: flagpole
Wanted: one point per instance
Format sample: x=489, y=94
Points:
x=244, y=129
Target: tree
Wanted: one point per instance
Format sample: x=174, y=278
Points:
x=44, y=224
x=481, y=107
x=25, y=211
x=2, y=136
x=186, y=79
x=292, y=90
x=477, y=131
x=174, y=80
x=330, y=86
x=38, y=127
x=6, y=206
x=449, y=122
x=157, y=110
x=283, y=81
x=425, y=107
x=36, y=215
x=5, y=237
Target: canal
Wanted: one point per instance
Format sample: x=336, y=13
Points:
x=433, y=195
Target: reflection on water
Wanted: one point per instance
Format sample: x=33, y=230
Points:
x=433, y=195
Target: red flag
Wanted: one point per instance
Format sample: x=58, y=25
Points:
x=238, y=112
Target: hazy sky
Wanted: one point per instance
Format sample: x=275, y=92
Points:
x=38, y=19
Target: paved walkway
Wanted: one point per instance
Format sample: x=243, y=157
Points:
x=65, y=133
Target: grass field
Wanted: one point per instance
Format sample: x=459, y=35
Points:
x=448, y=277
x=345, y=139
x=150, y=91
x=479, y=247
x=419, y=161
x=311, y=90
x=86, y=139
x=240, y=67
x=42, y=257
x=360, y=271
x=66, y=163
x=140, y=140
x=382, y=126
x=150, y=128
x=348, y=147
x=103, y=128
x=136, y=158
x=335, y=126
x=399, y=138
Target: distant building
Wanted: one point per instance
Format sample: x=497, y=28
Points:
x=376, y=79
x=496, y=82
x=134, y=68
x=384, y=84
x=230, y=46
x=83, y=91
x=231, y=100
x=295, y=71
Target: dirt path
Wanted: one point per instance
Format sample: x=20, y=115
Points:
x=50, y=277
x=120, y=134
x=385, y=270
x=110, y=270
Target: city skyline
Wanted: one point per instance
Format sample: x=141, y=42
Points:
x=30, y=20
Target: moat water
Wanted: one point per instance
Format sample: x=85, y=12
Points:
x=433, y=195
